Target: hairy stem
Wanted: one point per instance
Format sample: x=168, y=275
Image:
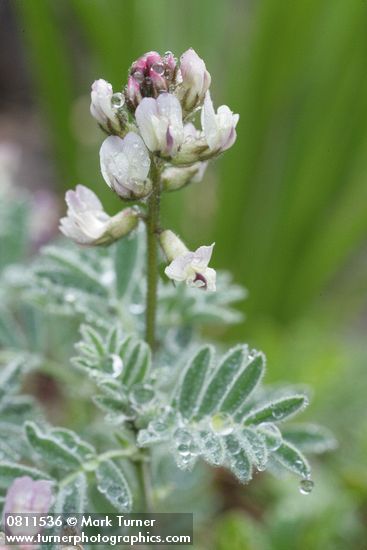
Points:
x=152, y=225
x=146, y=485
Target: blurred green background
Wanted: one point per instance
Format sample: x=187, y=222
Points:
x=287, y=205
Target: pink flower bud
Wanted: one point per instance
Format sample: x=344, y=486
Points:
x=26, y=496
x=150, y=75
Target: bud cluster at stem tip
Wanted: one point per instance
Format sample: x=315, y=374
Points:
x=153, y=146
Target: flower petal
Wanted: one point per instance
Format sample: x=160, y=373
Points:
x=125, y=164
x=145, y=113
x=202, y=256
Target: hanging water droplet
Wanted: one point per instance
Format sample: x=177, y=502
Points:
x=306, y=485
x=142, y=394
x=185, y=462
x=272, y=434
x=222, y=424
x=183, y=449
x=182, y=437
x=194, y=448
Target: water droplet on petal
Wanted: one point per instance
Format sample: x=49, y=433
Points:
x=306, y=485
x=117, y=100
x=158, y=68
x=138, y=76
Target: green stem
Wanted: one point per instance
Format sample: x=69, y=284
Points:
x=113, y=453
x=152, y=225
x=146, y=485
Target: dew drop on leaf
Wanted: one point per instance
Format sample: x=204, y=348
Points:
x=277, y=413
x=211, y=448
x=272, y=434
x=306, y=485
x=222, y=424
x=158, y=426
x=182, y=437
x=141, y=395
x=233, y=445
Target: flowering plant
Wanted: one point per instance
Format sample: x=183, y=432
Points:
x=166, y=394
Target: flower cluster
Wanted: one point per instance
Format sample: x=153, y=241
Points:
x=152, y=147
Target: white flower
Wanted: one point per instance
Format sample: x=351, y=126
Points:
x=219, y=128
x=105, y=104
x=160, y=123
x=194, y=147
x=218, y=134
x=195, y=80
x=191, y=267
x=87, y=223
x=125, y=165
x=174, y=177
